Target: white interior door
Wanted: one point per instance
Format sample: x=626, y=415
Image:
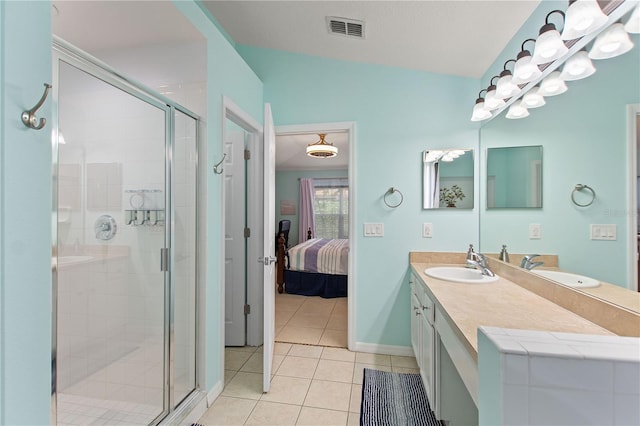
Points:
x=235, y=222
x=269, y=245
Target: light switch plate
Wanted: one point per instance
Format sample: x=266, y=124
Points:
x=535, y=231
x=607, y=232
x=427, y=230
x=373, y=229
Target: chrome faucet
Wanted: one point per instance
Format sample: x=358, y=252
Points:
x=528, y=264
x=478, y=261
x=482, y=266
x=476, y=257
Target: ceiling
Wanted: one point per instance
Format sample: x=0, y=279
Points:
x=407, y=34
x=458, y=37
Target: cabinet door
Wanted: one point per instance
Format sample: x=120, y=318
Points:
x=416, y=324
x=427, y=358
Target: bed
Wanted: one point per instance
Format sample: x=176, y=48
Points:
x=316, y=267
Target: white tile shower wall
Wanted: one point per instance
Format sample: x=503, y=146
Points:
x=580, y=379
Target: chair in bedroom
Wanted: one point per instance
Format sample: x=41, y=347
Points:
x=283, y=227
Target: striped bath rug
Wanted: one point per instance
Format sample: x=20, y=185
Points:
x=395, y=399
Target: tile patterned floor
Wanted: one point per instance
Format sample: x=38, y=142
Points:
x=311, y=320
x=312, y=385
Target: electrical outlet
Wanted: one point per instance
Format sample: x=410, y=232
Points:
x=535, y=231
x=427, y=230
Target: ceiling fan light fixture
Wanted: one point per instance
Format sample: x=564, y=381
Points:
x=583, y=17
x=321, y=149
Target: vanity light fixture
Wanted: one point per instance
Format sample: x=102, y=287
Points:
x=612, y=42
x=552, y=85
x=583, y=17
x=577, y=67
x=533, y=99
x=321, y=149
x=633, y=24
x=524, y=71
x=517, y=110
x=549, y=45
x=506, y=88
x=479, y=111
x=492, y=100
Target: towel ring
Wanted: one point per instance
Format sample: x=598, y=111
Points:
x=580, y=187
x=391, y=191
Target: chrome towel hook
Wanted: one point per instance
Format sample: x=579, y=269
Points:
x=29, y=118
x=392, y=191
x=580, y=187
x=215, y=168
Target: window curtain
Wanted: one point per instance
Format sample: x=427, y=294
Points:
x=430, y=184
x=306, y=219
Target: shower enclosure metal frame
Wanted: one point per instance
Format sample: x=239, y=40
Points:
x=63, y=51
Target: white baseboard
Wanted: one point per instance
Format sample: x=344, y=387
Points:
x=383, y=349
x=214, y=393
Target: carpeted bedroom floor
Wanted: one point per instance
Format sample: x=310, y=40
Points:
x=311, y=320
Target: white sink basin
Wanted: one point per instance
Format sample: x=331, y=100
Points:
x=65, y=260
x=568, y=279
x=459, y=274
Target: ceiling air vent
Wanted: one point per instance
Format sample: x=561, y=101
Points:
x=345, y=27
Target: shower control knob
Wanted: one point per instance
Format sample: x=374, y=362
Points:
x=105, y=227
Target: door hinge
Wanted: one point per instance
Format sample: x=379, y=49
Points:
x=247, y=309
x=164, y=259
x=247, y=232
x=247, y=154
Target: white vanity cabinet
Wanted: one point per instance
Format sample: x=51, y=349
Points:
x=423, y=338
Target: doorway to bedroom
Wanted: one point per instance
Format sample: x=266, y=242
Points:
x=313, y=210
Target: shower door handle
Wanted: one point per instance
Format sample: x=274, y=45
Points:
x=164, y=259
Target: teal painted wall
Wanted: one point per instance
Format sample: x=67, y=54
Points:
x=398, y=113
x=227, y=75
x=288, y=188
x=583, y=134
x=25, y=216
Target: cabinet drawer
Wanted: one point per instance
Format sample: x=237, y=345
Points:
x=427, y=305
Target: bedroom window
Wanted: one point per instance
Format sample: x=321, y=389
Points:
x=331, y=208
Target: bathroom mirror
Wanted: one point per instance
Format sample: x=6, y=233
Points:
x=587, y=139
x=447, y=178
x=514, y=177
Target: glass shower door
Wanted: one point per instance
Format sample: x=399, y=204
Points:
x=111, y=289
x=184, y=178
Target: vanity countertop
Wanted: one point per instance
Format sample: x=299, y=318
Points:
x=498, y=304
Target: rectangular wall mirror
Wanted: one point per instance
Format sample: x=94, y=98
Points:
x=514, y=177
x=447, y=179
